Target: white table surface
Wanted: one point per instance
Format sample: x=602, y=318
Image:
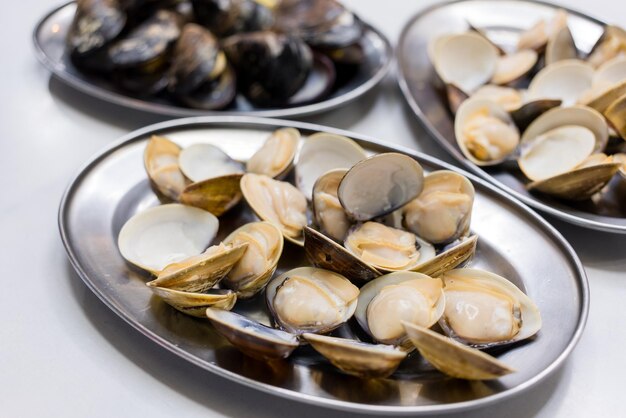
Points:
x=63, y=353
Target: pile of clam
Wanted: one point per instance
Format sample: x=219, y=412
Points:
x=543, y=107
x=199, y=53
x=385, y=241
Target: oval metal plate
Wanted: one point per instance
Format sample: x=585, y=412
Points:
x=513, y=241
x=502, y=20
x=49, y=39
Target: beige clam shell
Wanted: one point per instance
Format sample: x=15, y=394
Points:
x=195, y=304
x=161, y=163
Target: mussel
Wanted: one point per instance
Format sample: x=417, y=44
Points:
x=227, y=17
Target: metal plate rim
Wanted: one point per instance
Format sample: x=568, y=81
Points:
x=404, y=87
x=177, y=111
x=242, y=121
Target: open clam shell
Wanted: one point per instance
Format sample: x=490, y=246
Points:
x=277, y=202
x=379, y=185
x=453, y=256
x=485, y=132
x=565, y=80
x=309, y=299
x=611, y=43
x=401, y=296
x=442, y=211
x=161, y=162
x=536, y=37
x=453, y=358
x=513, y=67
x=322, y=152
x=196, y=304
x=216, y=195
x=579, y=184
x=205, y=161
x=358, y=358
x=484, y=309
x=328, y=213
x=252, y=338
x=616, y=115
x=166, y=234
x=467, y=60
x=255, y=268
x=276, y=155
x=201, y=272
x=560, y=46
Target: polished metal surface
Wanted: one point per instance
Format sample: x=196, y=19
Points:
x=502, y=20
x=49, y=41
x=513, y=241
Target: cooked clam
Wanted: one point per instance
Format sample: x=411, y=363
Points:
x=329, y=215
x=276, y=155
x=196, y=304
x=509, y=98
x=385, y=302
x=561, y=46
x=484, y=309
x=322, y=152
x=379, y=185
x=454, y=358
x=166, y=234
x=565, y=80
x=277, y=202
x=161, y=162
x=251, y=273
x=201, y=272
x=216, y=195
x=578, y=184
x=251, y=337
x=442, y=211
x=510, y=68
x=205, y=161
x=308, y=299
x=485, y=132
x=358, y=358
x=537, y=36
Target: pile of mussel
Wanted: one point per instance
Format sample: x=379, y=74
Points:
x=543, y=109
x=200, y=53
x=387, y=245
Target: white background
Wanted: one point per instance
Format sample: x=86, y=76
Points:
x=63, y=353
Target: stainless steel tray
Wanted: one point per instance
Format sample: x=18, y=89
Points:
x=503, y=20
x=513, y=241
x=49, y=41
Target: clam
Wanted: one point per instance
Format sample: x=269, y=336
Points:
x=329, y=215
x=201, y=272
x=560, y=46
x=166, y=234
x=276, y=155
x=616, y=115
x=277, y=202
x=442, y=211
x=251, y=273
x=227, y=17
x=313, y=300
x=196, y=304
x=216, y=195
x=322, y=152
x=270, y=67
x=484, y=309
x=485, y=132
x=161, y=162
x=385, y=302
x=565, y=80
x=358, y=358
x=608, y=85
x=251, y=337
x=388, y=249
x=511, y=68
x=379, y=185
x=537, y=36
x=453, y=358
x=205, y=161
x=95, y=25
x=611, y=44
x=466, y=60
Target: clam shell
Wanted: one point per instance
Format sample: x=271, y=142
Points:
x=196, y=304
x=205, y=161
x=358, y=358
x=276, y=155
x=161, y=163
x=578, y=184
x=216, y=195
x=251, y=337
x=616, y=115
x=449, y=259
x=511, y=68
x=564, y=80
x=331, y=220
x=453, y=358
x=379, y=185
x=166, y=234
x=560, y=47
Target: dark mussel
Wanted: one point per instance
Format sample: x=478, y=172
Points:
x=141, y=57
x=228, y=17
x=270, y=67
x=321, y=23
x=199, y=74
x=96, y=24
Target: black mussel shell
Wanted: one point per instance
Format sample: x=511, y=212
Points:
x=318, y=84
x=197, y=58
x=214, y=94
x=270, y=67
x=349, y=55
x=321, y=23
x=96, y=23
x=228, y=17
x=141, y=84
x=147, y=46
